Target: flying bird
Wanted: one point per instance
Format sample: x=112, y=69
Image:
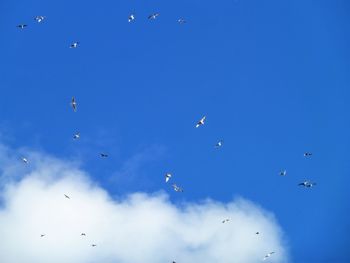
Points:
x=93, y=245
x=225, y=220
x=177, y=188
x=307, y=184
x=104, y=155
x=74, y=45
x=25, y=160
x=153, y=16
x=66, y=196
x=200, y=122
x=76, y=136
x=131, y=18
x=21, y=26
x=39, y=19
x=42, y=235
x=167, y=177
x=257, y=233
x=218, y=144
x=268, y=255
x=73, y=103
x=83, y=234
x=181, y=21
x=307, y=154
x=283, y=173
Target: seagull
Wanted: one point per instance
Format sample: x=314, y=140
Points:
x=167, y=177
x=225, y=220
x=283, y=173
x=307, y=154
x=201, y=122
x=66, y=196
x=42, y=235
x=153, y=16
x=21, y=26
x=25, y=160
x=177, y=188
x=131, y=18
x=257, y=233
x=307, y=184
x=83, y=234
x=181, y=21
x=93, y=245
x=76, y=136
x=73, y=103
x=268, y=255
x=39, y=18
x=218, y=144
x=104, y=155
x=74, y=45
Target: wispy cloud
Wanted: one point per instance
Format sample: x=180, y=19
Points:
x=141, y=227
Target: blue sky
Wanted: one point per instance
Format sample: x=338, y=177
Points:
x=271, y=77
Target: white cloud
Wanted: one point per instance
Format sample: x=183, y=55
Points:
x=141, y=227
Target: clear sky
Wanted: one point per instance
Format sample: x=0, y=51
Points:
x=271, y=76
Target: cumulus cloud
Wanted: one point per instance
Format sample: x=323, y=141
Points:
x=140, y=227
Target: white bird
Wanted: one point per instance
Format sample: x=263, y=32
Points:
x=25, y=160
x=74, y=45
x=181, y=21
x=283, y=173
x=131, y=18
x=218, y=144
x=177, y=188
x=307, y=154
x=74, y=105
x=225, y=220
x=21, y=26
x=66, y=196
x=268, y=255
x=76, y=136
x=39, y=19
x=307, y=184
x=200, y=122
x=153, y=16
x=167, y=177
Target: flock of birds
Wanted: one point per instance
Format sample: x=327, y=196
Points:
x=201, y=122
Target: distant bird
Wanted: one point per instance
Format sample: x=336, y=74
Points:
x=83, y=234
x=268, y=255
x=131, y=18
x=93, y=245
x=42, y=235
x=307, y=154
x=21, y=26
x=25, y=160
x=104, y=155
x=225, y=220
x=181, y=21
x=153, y=16
x=177, y=188
x=307, y=184
x=76, y=136
x=257, y=233
x=218, y=144
x=74, y=105
x=39, y=19
x=283, y=173
x=201, y=122
x=66, y=196
x=74, y=45
x=167, y=177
